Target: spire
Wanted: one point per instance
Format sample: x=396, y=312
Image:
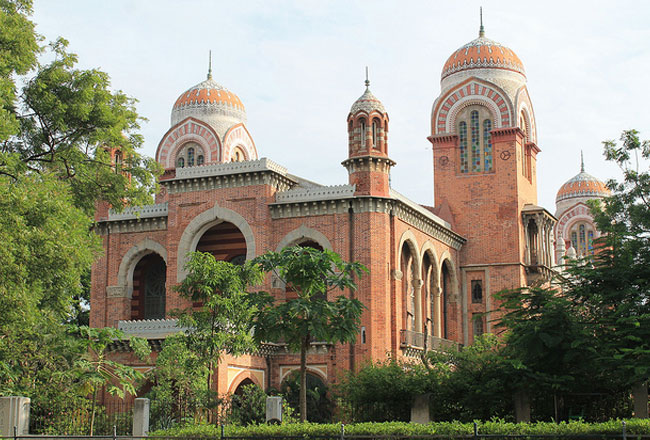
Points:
x=210, y=65
x=367, y=80
x=481, y=30
x=582, y=162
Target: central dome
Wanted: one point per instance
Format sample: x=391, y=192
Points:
x=212, y=103
x=582, y=185
x=482, y=53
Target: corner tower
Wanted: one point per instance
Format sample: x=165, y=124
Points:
x=368, y=163
x=484, y=138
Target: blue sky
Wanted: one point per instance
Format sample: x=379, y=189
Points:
x=298, y=67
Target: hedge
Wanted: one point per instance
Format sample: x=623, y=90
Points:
x=446, y=429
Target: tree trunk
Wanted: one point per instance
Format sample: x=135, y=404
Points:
x=303, y=379
x=640, y=397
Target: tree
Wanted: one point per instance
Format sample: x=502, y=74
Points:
x=224, y=320
x=94, y=369
x=309, y=317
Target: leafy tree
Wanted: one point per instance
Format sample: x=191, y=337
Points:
x=247, y=408
x=179, y=384
x=94, y=369
x=319, y=405
x=224, y=320
x=309, y=317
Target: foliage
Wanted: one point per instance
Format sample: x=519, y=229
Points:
x=247, y=408
x=381, y=391
x=223, y=322
x=443, y=429
x=311, y=316
x=319, y=405
x=179, y=384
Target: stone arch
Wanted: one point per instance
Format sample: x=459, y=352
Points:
x=297, y=235
x=433, y=305
x=238, y=136
x=241, y=377
x=189, y=129
x=131, y=259
x=471, y=91
x=524, y=104
x=412, y=305
x=310, y=370
x=408, y=237
x=453, y=293
x=202, y=223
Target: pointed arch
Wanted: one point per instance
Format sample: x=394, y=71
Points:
x=302, y=233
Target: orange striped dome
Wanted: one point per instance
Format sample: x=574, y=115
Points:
x=210, y=102
x=582, y=185
x=482, y=53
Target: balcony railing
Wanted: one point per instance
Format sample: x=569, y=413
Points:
x=415, y=341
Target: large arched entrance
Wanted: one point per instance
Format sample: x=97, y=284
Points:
x=225, y=242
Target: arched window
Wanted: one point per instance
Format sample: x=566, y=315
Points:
x=362, y=126
x=148, y=297
x=477, y=291
x=462, y=133
x=118, y=162
x=582, y=238
x=375, y=132
x=237, y=155
x=475, y=147
x=477, y=326
x=187, y=156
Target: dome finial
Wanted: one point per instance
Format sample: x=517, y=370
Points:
x=481, y=30
x=210, y=64
x=367, y=80
x=582, y=162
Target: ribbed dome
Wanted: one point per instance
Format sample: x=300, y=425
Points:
x=212, y=103
x=582, y=185
x=482, y=53
x=368, y=103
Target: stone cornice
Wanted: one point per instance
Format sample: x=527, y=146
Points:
x=132, y=225
x=377, y=163
x=136, y=212
x=399, y=206
x=507, y=131
x=315, y=193
x=438, y=139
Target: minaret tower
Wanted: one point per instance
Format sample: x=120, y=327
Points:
x=368, y=163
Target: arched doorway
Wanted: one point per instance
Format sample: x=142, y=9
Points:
x=446, y=294
x=319, y=405
x=224, y=241
x=149, y=288
x=430, y=301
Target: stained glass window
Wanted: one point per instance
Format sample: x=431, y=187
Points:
x=574, y=240
x=583, y=241
x=590, y=243
x=477, y=291
x=476, y=142
x=190, y=157
x=487, y=144
x=463, y=147
x=181, y=162
x=200, y=160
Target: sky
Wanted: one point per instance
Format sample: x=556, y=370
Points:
x=299, y=65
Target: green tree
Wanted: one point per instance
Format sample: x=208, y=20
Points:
x=311, y=316
x=223, y=322
x=94, y=369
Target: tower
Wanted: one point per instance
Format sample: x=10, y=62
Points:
x=368, y=163
x=484, y=138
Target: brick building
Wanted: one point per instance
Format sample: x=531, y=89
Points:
x=433, y=270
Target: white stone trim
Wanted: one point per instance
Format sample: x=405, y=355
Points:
x=313, y=194
x=430, y=215
x=223, y=169
x=137, y=212
x=467, y=101
x=201, y=223
x=150, y=328
x=303, y=232
x=131, y=259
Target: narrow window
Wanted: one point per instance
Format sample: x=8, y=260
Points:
x=374, y=133
x=583, y=241
x=118, y=162
x=363, y=335
x=477, y=291
x=574, y=240
x=463, y=146
x=478, y=326
x=362, y=124
x=476, y=147
x=190, y=157
x=590, y=236
x=487, y=144
x=200, y=160
x=181, y=162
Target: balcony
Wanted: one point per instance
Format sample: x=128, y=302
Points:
x=413, y=343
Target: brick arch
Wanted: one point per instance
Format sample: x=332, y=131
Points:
x=202, y=223
x=310, y=370
x=409, y=238
x=481, y=92
x=454, y=294
x=131, y=259
x=429, y=250
x=302, y=232
x=237, y=380
x=189, y=129
x=238, y=136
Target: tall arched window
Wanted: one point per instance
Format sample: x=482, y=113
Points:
x=362, y=126
x=582, y=238
x=118, y=162
x=375, y=132
x=476, y=146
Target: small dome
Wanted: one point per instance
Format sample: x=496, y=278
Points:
x=582, y=185
x=367, y=103
x=212, y=103
x=482, y=53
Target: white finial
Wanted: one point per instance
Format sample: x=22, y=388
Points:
x=367, y=80
x=582, y=162
x=481, y=30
